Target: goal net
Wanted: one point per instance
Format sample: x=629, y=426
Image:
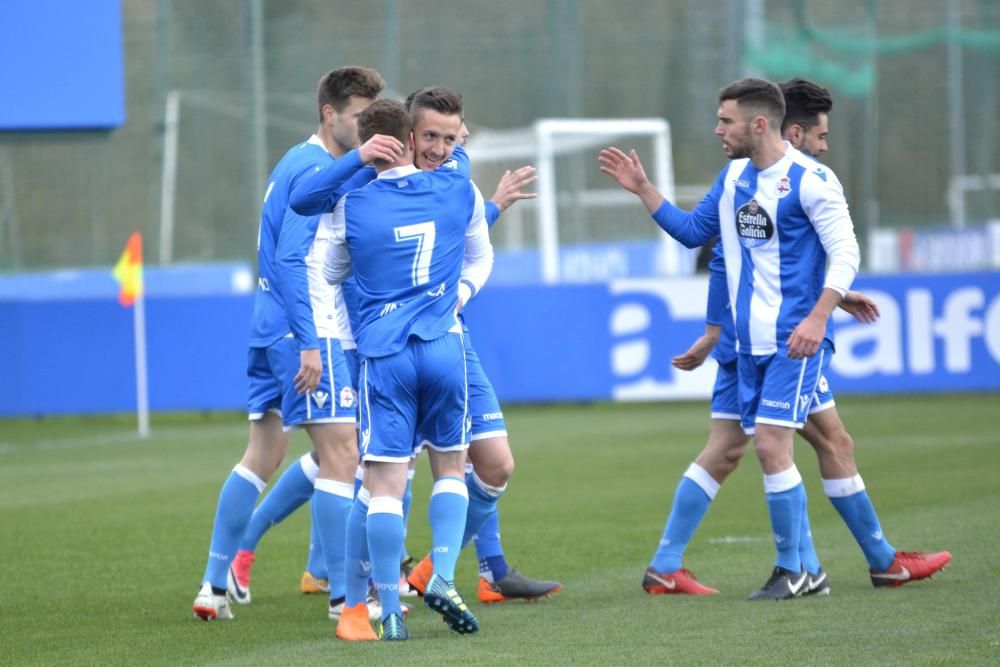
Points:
x=582, y=227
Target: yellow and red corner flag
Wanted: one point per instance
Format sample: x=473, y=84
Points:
x=128, y=271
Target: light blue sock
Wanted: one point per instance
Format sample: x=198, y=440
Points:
x=488, y=543
x=290, y=492
x=784, y=504
x=482, y=504
x=358, y=564
x=407, y=501
x=236, y=500
x=489, y=550
x=331, y=504
x=448, y=507
x=316, y=565
x=385, y=545
x=694, y=495
x=807, y=550
x=855, y=508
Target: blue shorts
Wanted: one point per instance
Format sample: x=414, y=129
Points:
x=725, y=397
x=272, y=371
x=487, y=417
x=777, y=390
x=823, y=398
x=418, y=395
x=353, y=360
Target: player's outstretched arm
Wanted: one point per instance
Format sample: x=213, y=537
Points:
x=511, y=187
x=861, y=307
x=318, y=191
x=699, y=350
x=628, y=172
x=691, y=229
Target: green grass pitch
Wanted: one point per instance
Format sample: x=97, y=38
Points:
x=104, y=539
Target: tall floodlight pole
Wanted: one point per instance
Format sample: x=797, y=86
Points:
x=956, y=107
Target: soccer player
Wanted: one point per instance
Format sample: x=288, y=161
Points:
x=805, y=127
x=780, y=217
x=432, y=109
x=492, y=462
x=404, y=237
x=296, y=369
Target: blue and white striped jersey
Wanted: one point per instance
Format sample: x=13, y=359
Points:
x=403, y=238
x=778, y=228
x=289, y=282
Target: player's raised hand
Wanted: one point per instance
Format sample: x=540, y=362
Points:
x=861, y=307
x=627, y=170
x=806, y=337
x=381, y=147
x=696, y=354
x=511, y=186
x=310, y=370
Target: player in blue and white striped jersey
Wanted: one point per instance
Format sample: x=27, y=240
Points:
x=296, y=370
x=805, y=127
x=780, y=216
x=405, y=238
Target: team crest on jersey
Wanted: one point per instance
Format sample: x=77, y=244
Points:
x=753, y=225
x=320, y=398
x=784, y=188
x=346, y=397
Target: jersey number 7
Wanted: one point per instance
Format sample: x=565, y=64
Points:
x=423, y=233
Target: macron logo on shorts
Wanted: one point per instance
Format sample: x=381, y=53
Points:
x=768, y=403
x=320, y=398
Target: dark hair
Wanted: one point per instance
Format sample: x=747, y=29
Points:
x=804, y=102
x=384, y=117
x=439, y=98
x=337, y=87
x=759, y=97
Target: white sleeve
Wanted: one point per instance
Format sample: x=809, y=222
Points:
x=337, y=267
x=478, y=261
x=823, y=201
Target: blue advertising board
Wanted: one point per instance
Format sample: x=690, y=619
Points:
x=68, y=347
x=62, y=65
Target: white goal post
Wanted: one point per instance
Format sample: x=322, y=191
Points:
x=549, y=138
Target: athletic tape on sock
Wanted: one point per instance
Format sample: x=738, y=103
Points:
x=385, y=505
x=450, y=485
x=782, y=481
x=700, y=476
x=364, y=497
x=840, y=488
x=342, y=489
x=309, y=467
x=491, y=491
x=250, y=476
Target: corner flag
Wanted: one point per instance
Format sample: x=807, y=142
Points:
x=128, y=271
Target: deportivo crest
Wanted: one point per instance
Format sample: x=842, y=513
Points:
x=346, y=397
x=824, y=386
x=753, y=225
x=784, y=188
x=320, y=398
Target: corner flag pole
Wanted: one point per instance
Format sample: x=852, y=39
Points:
x=128, y=273
x=141, y=374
